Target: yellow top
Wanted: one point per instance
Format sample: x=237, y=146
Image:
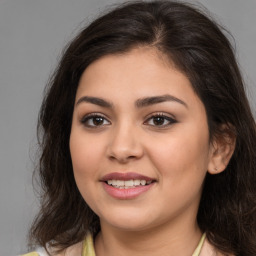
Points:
x=88, y=247
x=31, y=254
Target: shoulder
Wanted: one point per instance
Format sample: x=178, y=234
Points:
x=73, y=250
x=31, y=254
x=39, y=252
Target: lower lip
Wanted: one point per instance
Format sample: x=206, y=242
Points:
x=129, y=193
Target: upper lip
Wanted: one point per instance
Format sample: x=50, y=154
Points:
x=125, y=176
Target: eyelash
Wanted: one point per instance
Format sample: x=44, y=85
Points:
x=165, y=118
x=92, y=117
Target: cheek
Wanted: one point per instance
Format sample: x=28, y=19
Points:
x=181, y=155
x=85, y=163
x=85, y=155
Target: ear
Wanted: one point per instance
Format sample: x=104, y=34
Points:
x=221, y=151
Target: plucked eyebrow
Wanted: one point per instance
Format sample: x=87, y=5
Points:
x=144, y=102
x=140, y=103
x=94, y=100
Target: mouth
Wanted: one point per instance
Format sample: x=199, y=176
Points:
x=127, y=184
x=132, y=184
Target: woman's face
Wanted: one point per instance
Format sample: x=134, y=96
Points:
x=139, y=141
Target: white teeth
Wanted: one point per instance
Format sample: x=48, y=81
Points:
x=120, y=183
x=125, y=184
x=128, y=183
x=136, y=182
x=143, y=182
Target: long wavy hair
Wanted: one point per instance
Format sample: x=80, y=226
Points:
x=200, y=49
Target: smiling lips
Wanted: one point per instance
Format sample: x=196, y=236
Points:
x=126, y=185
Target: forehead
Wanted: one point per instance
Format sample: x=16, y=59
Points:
x=139, y=68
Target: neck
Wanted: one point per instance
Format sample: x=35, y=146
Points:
x=167, y=239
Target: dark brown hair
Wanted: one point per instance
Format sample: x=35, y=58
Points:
x=199, y=48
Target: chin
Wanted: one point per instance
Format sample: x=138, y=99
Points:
x=130, y=226
x=132, y=221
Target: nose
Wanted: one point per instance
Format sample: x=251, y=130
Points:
x=125, y=144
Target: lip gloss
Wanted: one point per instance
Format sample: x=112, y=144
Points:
x=126, y=193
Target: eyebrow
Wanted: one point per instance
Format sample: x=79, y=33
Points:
x=158, y=99
x=94, y=100
x=140, y=103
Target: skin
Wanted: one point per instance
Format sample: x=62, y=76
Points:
x=128, y=138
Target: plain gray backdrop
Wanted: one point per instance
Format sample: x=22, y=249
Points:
x=32, y=34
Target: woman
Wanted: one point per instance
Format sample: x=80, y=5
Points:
x=148, y=141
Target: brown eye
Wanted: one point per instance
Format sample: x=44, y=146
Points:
x=94, y=121
x=160, y=120
x=98, y=120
